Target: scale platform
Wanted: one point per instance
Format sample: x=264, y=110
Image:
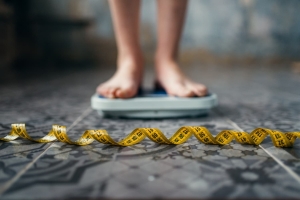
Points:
x=154, y=104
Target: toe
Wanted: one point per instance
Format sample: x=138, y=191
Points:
x=111, y=92
x=99, y=90
x=102, y=90
x=188, y=93
x=202, y=89
x=114, y=92
x=119, y=93
x=198, y=89
x=128, y=92
x=182, y=91
x=199, y=93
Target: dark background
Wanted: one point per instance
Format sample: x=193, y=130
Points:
x=44, y=36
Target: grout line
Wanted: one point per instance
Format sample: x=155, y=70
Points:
x=286, y=168
x=21, y=172
x=291, y=172
x=84, y=114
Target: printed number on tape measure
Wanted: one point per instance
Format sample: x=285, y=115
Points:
x=59, y=133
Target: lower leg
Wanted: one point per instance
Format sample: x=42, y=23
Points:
x=126, y=80
x=171, y=16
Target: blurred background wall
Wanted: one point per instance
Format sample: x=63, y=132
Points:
x=61, y=33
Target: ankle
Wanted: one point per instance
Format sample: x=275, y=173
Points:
x=165, y=64
x=162, y=60
x=130, y=60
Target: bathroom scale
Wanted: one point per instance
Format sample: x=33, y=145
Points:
x=154, y=104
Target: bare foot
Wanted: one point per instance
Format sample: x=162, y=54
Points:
x=126, y=80
x=171, y=78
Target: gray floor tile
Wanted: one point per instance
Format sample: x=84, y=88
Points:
x=61, y=176
x=249, y=98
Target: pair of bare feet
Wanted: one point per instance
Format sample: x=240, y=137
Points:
x=128, y=77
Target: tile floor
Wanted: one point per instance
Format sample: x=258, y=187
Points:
x=249, y=97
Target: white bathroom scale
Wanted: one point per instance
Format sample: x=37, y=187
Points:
x=154, y=104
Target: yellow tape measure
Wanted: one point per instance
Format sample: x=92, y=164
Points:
x=58, y=132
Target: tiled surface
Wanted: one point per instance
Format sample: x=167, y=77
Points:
x=249, y=98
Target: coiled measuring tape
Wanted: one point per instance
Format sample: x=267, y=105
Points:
x=59, y=133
